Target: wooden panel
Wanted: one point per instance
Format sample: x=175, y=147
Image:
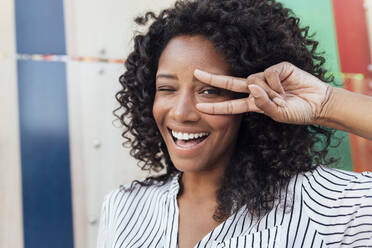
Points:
x=368, y=9
x=361, y=148
x=99, y=163
x=98, y=28
x=11, y=226
x=352, y=36
x=40, y=27
x=45, y=157
x=354, y=50
x=318, y=15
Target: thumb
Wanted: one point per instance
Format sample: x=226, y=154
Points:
x=262, y=100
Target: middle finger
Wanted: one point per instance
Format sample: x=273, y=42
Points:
x=221, y=81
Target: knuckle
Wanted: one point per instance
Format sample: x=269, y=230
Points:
x=246, y=102
x=230, y=108
x=260, y=104
x=272, y=72
x=211, y=78
x=252, y=77
x=286, y=65
x=228, y=83
x=233, y=82
x=268, y=71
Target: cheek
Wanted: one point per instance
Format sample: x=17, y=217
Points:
x=157, y=111
x=226, y=123
x=161, y=108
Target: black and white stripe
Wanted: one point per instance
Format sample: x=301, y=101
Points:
x=325, y=208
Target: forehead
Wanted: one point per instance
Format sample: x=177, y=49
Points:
x=190, y=53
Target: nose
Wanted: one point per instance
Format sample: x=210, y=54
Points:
x=184, y=109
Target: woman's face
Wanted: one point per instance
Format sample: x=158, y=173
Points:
x=195, y=141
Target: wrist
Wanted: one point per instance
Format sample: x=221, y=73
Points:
x=324, y=114
x=347, y=111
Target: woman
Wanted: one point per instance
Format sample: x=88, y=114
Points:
x=207, y=96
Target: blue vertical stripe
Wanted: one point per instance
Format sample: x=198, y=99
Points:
x=47, y=209
x=40, y=26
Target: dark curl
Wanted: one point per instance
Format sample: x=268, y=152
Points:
x=252, y=35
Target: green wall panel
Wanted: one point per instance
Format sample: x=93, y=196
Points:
x=318, y=14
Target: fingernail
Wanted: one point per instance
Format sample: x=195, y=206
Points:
x=254, y=91
x=280, y=102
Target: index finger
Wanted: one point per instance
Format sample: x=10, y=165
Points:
x=221, y=81
x=236, y=106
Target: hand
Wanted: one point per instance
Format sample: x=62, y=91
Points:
x=283, y=92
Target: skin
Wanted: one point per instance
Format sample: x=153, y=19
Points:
x=290, y=95
x=177, y=93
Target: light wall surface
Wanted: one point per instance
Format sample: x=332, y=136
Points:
x=11, y=226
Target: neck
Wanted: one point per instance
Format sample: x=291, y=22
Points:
x=202, y=186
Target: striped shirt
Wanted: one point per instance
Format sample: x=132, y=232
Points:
x=325, y=208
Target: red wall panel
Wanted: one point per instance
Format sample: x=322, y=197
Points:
x=354, y=53
x=352, y=36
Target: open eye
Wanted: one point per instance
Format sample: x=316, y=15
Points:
x=211, y=91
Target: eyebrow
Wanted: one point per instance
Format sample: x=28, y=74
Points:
x=172, y=76
x=168, y=76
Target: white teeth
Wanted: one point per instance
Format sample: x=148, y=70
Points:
x=188, y=136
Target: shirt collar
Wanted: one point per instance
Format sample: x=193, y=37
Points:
x=174, y=185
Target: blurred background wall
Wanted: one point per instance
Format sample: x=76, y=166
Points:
x=60, y=146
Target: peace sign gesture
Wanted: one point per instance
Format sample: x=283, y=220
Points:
x=283, y=92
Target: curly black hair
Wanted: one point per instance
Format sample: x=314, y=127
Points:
x=252, y=35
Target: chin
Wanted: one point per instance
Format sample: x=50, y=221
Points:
x=190, y=166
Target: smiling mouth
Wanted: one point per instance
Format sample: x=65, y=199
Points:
x=187, y=141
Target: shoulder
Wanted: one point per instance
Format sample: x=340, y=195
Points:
x=339, y=204
x=123, y=207
x=130, y=198
x=133, y=193
x=332, y=185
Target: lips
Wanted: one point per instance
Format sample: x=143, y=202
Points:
x=187, y=148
